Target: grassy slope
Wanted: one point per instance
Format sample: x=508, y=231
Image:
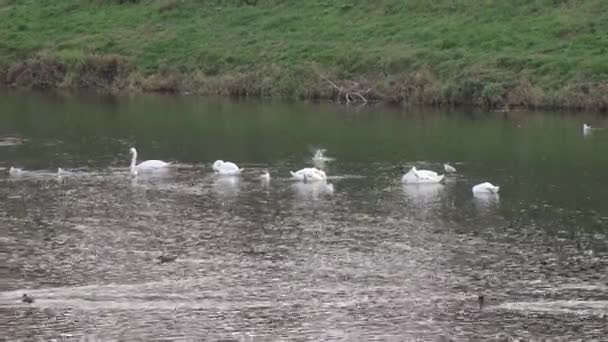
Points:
x=551, y=43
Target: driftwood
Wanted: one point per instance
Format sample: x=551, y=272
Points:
x=350, y=93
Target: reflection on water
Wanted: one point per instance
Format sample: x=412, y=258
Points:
x=423, y=193
x=360, y=257
x=226, y=187
x=312, y=190
x=486, y=200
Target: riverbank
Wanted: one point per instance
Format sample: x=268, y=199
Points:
x=546, y=53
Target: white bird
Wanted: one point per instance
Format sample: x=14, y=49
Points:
x=62, y=172
x=449, y=168
x=309, y=174
x=414, y=176
x=485, y=188
x=14, y=171
x=226, y=168
x=265, y=177
x=148, y=165
x=586, y=129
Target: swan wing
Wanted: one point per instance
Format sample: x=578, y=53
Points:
x=317, y=174
x=229, y=168
x=151, y=164
x=421, y=176
x=426, y=174
x=485, y=187
x=315, y=177
x=428, y=179
x=410, y=177
x=296, y=175
x=300, y=174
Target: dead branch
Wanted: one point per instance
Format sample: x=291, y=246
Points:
x=351, y=93
x=359, y=96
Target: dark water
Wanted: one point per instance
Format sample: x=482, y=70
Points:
x=372, y=260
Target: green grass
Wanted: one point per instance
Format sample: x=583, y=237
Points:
x=550, y=43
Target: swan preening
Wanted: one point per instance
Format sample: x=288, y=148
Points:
x=145, y=166
x=449, y=168
x=309, y=174
x=415, y=176
x=312, y=182
x=226, y=168
x=485, y=188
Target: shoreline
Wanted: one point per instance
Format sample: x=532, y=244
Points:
x=108, y=74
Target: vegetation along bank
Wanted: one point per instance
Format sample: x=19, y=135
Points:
x=490, y=53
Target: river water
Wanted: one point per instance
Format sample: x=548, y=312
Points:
x=363, y=259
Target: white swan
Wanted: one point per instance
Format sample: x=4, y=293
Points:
x=265, y=177
x=449, y=168
x=414, y=176
x=586, y=129
x=15, y=171
x=62, y=172
x=226, y=168
x=309, y=174
x=148, y=165
x=485, y=188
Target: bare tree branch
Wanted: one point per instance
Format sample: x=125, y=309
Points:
x=360, y=96
x=350, y=93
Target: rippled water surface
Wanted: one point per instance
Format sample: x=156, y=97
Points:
x=361, y=258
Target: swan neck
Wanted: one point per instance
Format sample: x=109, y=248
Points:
x=133, y=159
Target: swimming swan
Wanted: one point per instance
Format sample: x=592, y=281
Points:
x=265, y=177
x=62, y=172
x=414, y=176
x=485, y=188
x=14, y=171
x=309, y=174
x=226, y=168
x=586, y=129
x=449, y=168
x=148, y=165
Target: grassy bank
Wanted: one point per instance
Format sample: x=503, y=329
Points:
x=530, y=53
